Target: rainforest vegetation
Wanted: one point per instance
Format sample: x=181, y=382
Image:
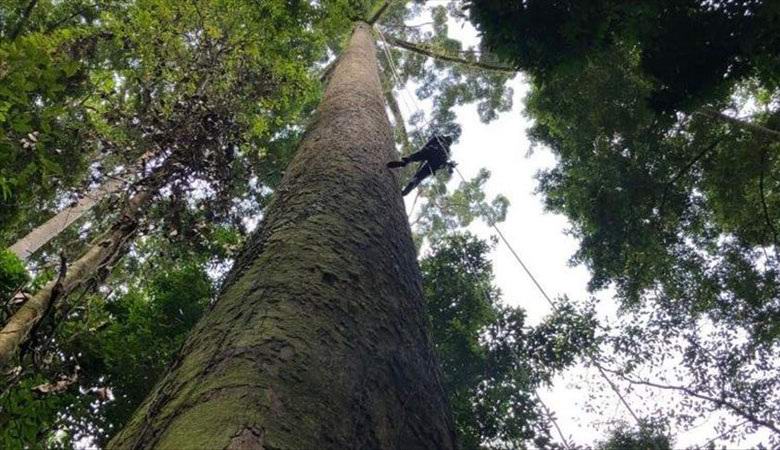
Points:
x=201, y=245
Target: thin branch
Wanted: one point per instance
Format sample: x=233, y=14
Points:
x=423, y=50
x=616, y=390
x=551, y=418
x=23, y=20
x=718, y=401
x=767, y=217
x=378, y=14
x=715, y=114
x=413, y=26
x=724, y=434
x=683, y=171
x=76, y=13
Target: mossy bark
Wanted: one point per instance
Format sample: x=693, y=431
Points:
x=318, y=338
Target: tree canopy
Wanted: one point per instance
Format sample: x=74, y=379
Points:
x=492, y=361
x=663, y=116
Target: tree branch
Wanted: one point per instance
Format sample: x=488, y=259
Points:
x=56, y=293
x=682, y=172
x=725, y=433
x=718, y=401
x=378, y=14
x=23, y=20
x=423, y=50
x=412, y=26
x=76, y=13
x=767, y=217
x=715, y=114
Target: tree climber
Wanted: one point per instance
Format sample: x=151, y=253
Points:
x=434, y=155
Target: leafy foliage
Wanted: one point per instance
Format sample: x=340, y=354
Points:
x=673, y=199
x=692, y=49
x=196, y=83
x=143, y=330
x=120, y=344
x=492, y=362
x=44, y=81
x=446, y=84
x=27, y=416
x=13, y=275
x=648, y=436
x=444, y=213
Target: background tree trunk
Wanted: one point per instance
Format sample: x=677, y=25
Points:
x=42, y=234
x=102, y=253
x=318, y=338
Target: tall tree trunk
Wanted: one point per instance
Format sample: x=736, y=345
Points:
x=318, y=338
x=103, y=252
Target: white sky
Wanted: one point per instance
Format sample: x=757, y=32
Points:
x=502, y=147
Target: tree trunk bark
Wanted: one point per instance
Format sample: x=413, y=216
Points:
x=103, y=252
x=318, y=339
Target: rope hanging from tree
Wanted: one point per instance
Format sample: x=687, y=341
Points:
x=602, y=373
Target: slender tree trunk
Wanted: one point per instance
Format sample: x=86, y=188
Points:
x=42, y=234
x=105, y=250
x=318, y=339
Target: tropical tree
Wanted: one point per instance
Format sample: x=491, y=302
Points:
x=189, y=96
x=318, y=335
x=647, y=436
x=47, y=53
x=106, y=362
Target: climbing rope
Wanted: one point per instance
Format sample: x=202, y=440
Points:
x=553, y=305
x=420, y=142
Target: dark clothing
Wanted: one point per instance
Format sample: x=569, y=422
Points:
x=422, y=172
x=434, y=155
x=436, y=152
